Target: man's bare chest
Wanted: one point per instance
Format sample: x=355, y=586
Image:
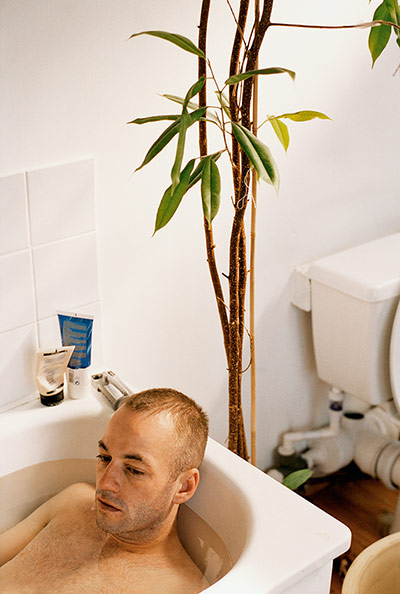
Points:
x=72, y=556
x=68, y=557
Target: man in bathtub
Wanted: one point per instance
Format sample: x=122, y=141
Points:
x=119, y=536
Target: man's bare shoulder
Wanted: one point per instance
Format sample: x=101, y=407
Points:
x=72, y=497
x=79, y=496
x=74, y=500
x=176, y=579
x=191, y=580
x=183, y=574
x=78, y=491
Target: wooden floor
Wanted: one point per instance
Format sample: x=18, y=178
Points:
x=361, y=502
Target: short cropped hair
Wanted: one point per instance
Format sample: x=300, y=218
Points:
x=191, y=423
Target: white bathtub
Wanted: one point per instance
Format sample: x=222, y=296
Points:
x=276, y=541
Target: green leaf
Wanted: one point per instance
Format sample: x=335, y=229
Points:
x=171, y=200
x=180, y=100
x=179, y=40
x=304, y=116
x=394, y=10
x=180, y=148
x=158, y=118
x=191, y=105
x=160, y=143
x=195, y=116
x=239, y=77
x=196, y=175
x=194, y=90
x=168, y=135
x=224, y=102
x=210, y=189
x=295, y=479
x=258, y=153
x=282, y=132
x=379, y=36
x=186, y=121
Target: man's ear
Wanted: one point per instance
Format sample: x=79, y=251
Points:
x=187, y=485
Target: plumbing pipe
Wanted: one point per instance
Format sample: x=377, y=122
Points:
x=395, y=471
x=388, y=470
x=328, y=455
x=379, y=457
x=335, y=413
x=369, y=446
x=384, y=420
x=374, y=453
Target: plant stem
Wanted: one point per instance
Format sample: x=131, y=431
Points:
x=210, y=247
x=253, y=386
x=335, y=27
x=237, y=258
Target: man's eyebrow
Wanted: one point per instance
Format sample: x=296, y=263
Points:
x=102, y=445
x=135, y=457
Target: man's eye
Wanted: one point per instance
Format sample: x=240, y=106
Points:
x=134, y=471
x=102, y=458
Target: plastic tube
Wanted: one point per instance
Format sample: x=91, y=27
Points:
x=335, y=413
x=76, y=330
x=50, y=369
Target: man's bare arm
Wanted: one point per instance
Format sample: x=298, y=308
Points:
x=16, y=538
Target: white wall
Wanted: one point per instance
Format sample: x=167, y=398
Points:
x=72, y=82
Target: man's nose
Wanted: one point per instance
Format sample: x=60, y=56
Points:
x=109, y=478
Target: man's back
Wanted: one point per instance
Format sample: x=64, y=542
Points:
x=70, y=554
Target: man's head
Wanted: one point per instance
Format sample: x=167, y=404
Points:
x=148, y=464
x=189, y=420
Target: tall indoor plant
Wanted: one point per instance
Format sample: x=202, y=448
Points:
x=236, y=118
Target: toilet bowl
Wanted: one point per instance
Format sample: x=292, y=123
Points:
x=376, y=570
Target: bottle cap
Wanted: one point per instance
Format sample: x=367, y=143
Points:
x=52, y=399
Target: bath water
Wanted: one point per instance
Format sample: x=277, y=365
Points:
x=24, y=490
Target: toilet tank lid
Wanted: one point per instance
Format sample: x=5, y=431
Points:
x=370, y=272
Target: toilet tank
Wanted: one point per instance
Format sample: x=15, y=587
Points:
x=354, y=297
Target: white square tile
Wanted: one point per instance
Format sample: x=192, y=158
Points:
x=17, y=306
x=13, y=214
x=61, y=201
x=66, y=275
x=49, y=333
x=17, y=365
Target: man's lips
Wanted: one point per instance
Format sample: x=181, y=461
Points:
x=105, y=505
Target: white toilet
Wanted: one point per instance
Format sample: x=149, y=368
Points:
x=353, y=297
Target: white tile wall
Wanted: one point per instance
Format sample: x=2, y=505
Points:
x=17, y=302
x=61, y=201
x=48, y=262
x=17, y=365
x=14, y=215
x=63, y=268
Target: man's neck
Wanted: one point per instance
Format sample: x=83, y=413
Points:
x=161, y=543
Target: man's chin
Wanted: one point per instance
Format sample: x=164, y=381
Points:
x=105, y=524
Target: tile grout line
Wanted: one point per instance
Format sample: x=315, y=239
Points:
x=30, y=247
